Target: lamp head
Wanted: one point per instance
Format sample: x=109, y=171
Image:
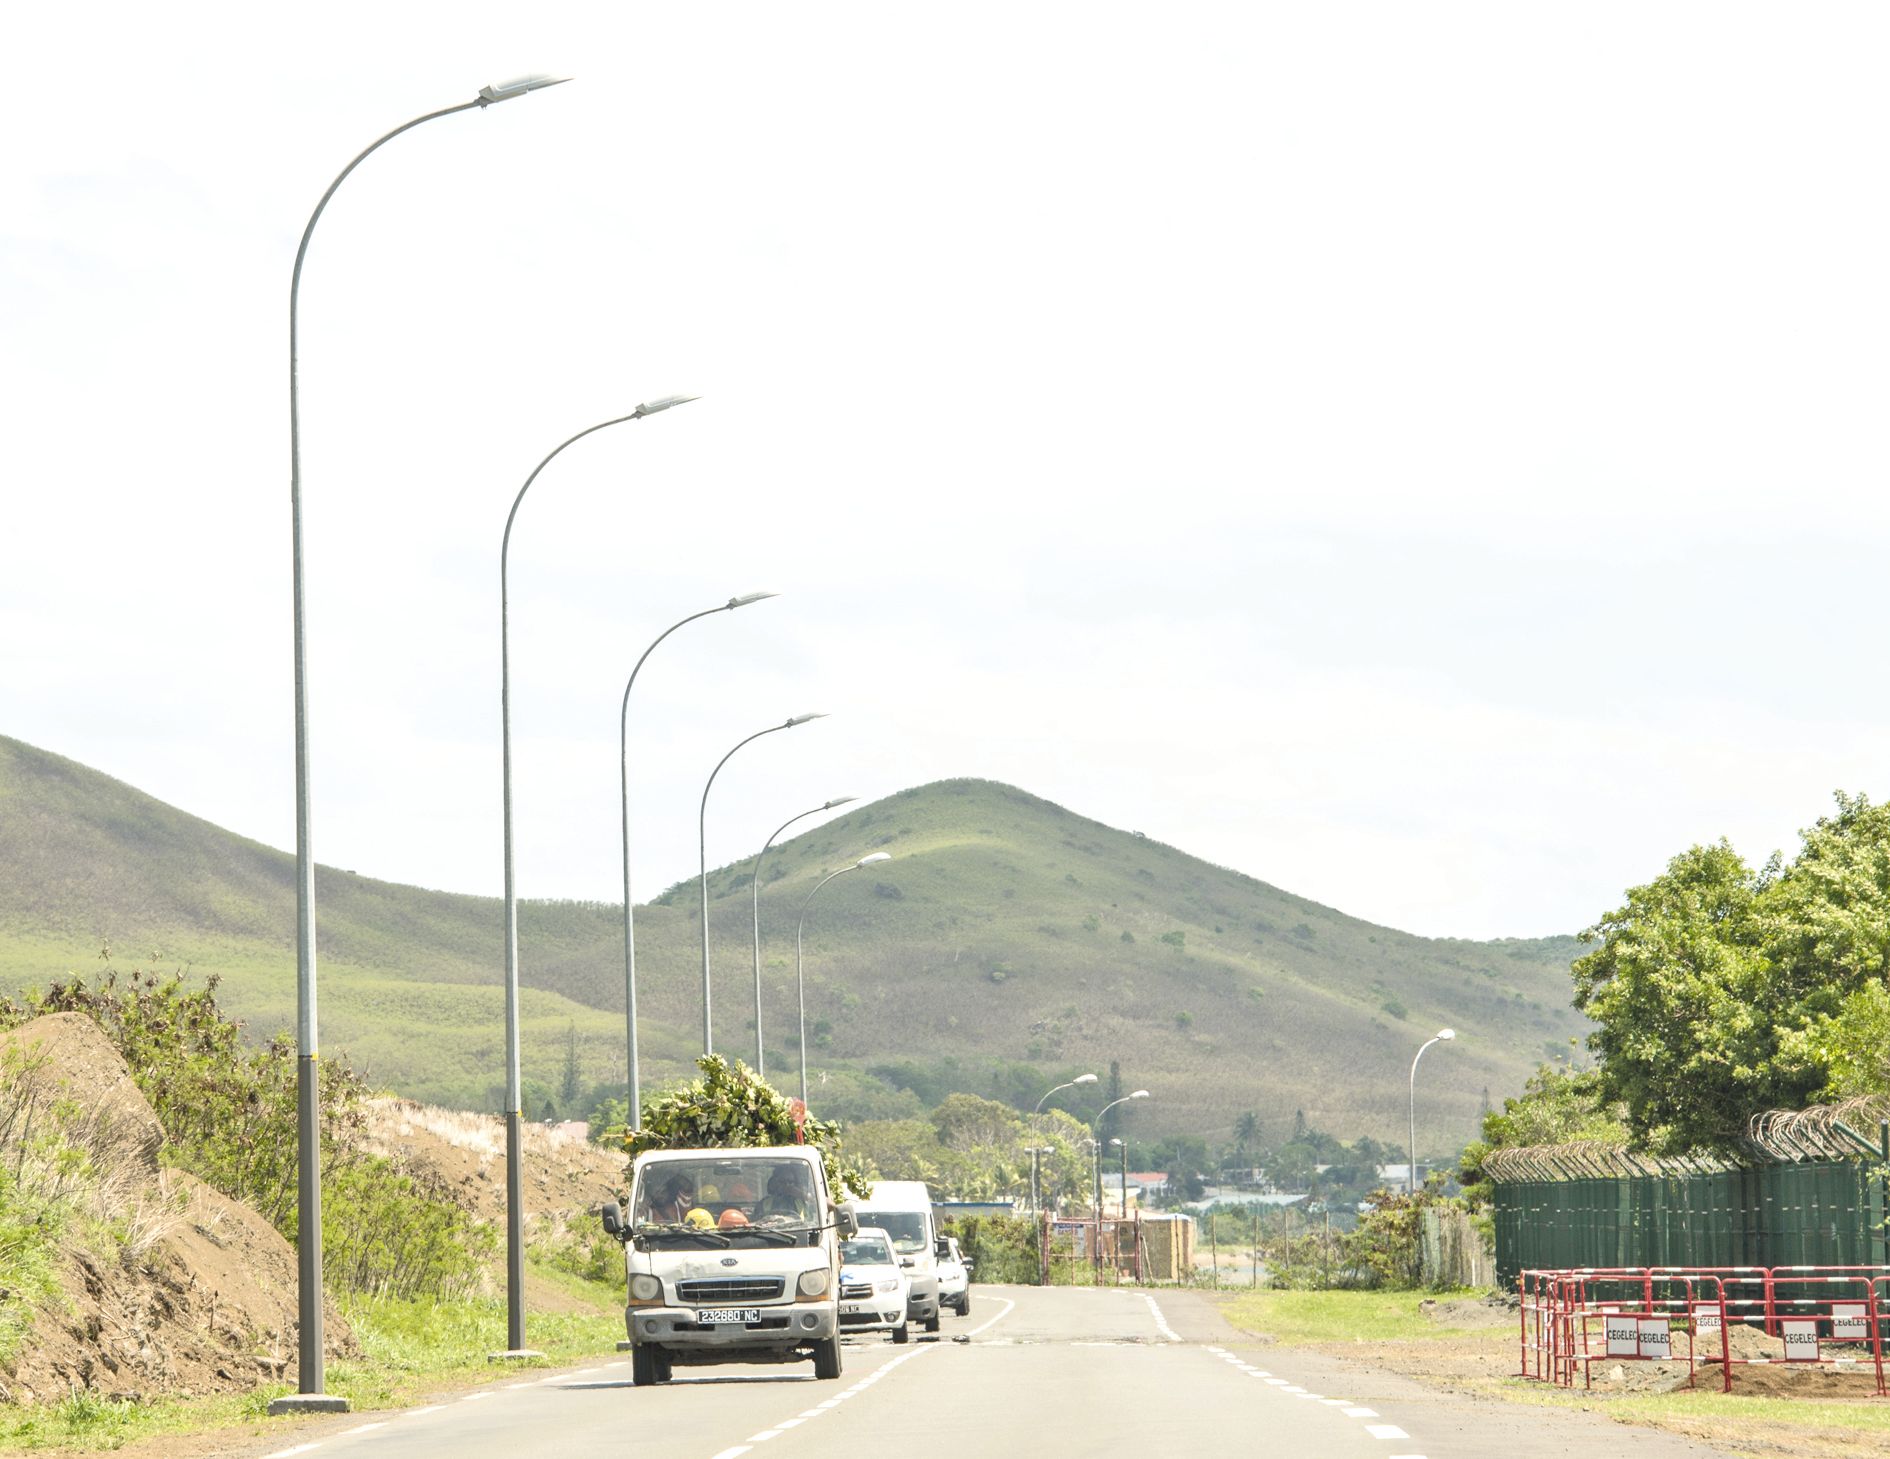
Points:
x=746, y=598
x=1139, y=1094
x=1114, y=1141
x=802, y=719
x=839, y=800
x=1084, y=1079
x=506, y=90
x=1447, y=1033
x=651, y=407
x=875, y=857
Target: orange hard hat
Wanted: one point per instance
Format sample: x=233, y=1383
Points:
x=732, y=1217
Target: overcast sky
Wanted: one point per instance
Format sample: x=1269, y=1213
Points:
x=1431, y=458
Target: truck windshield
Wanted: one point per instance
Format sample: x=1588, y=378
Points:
x=727, y=1201
x=907, y=1228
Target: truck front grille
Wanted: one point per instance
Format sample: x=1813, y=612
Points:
x=855, y=1291
x=729, y=1291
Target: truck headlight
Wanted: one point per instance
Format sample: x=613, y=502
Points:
x=891, y=1284
x=812, y=1284
x=645, y=1288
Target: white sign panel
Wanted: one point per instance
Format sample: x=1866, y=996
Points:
x=1624, y=1337
x=1656, y=1340
x=1801, y=1341
x=1848, y=1321
x=1706, y=1316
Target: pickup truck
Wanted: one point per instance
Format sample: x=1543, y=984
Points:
x=731, y=1256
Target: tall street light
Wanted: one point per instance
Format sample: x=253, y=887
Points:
x=1443, y=1035
x=754, y=891
x=1122, y=1204
x=1070, y=1084
x=514, y=1094
x=310, y=1373
x=702, y=846
x=800, y=981
x=629, y=917
x=1097, y=1138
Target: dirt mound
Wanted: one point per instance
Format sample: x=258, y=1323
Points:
x=463, y=1157
x=67, y=1056
x=203, y=1301
x=1469, y=1312
x=192, y=1293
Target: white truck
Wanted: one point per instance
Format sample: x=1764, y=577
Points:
x=903, y=1210
x=732, y=1256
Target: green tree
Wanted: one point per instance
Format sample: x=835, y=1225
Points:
x=1720, y=991
x=571, y=1085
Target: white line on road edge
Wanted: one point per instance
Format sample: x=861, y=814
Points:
x=298, y=1449
x=1161, y=1322
x=1009, y=1307
x=416, y=1412
x=379, y=1423
x=731, y=1453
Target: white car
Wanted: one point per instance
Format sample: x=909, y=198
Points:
x=954, y=1279
x=874, y=1289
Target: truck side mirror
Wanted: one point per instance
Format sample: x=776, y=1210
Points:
x=846, y=1221
x=612, y=1218
x=942, y=1249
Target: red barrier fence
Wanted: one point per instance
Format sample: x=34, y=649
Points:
x=1576, y=1317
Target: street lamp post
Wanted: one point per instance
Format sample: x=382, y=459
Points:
x=1443, y=1035
x=754, y=891
x=800, y=980
x=1079, y=1079
x=310, y=1371
x=1096, y=1140
x=629, y=918
x=702, y=846
x=514, y=1093
x=1122, y=1204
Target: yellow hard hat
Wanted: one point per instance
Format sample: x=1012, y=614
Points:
x=700, y=1219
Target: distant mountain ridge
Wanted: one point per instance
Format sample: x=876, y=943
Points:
x=1009, y=940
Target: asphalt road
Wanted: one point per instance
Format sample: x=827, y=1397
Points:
x=1044, y=1372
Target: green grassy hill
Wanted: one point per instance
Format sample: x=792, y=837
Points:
x=1008, y=944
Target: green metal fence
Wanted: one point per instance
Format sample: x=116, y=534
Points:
x=1808, y=1213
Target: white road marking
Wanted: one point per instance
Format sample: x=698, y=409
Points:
x=1359, y=1412
x=301, y=1449
x=1009, y=1306
x=731, y=1453
x=1386, y=1431
x=764, y=1436
x=380, y=1423
x=430, y=1408
x=1161, y=1322
x=530, y=1383
x=472, y=1397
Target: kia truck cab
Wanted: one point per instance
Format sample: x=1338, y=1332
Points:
x=733, y=1256
x=873, y=1286
x=903, y=1210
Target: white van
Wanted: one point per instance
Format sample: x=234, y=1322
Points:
x=732, y=1256
x=903, y=1210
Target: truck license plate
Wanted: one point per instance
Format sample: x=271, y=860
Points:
x=728, y=1314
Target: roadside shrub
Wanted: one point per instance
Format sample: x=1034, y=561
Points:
x=1001, y=1248
x=384, y=1235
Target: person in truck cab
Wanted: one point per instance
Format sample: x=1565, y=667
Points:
x=788, y=1197
x=675, y=1198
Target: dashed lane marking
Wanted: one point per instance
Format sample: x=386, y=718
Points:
x=1386, y=1431
x=379, y=1423
x=286, y=1453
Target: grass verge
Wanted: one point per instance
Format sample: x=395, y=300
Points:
x=409, y=1348
x=1390, y=1331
